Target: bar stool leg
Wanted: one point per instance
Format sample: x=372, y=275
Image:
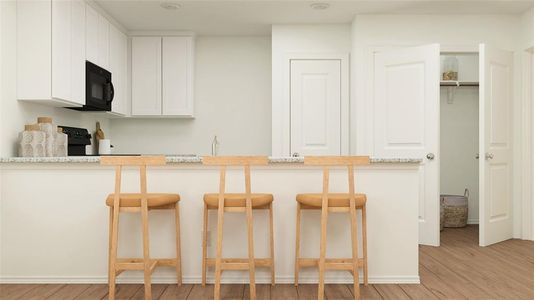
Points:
x=364, y=236
x=251, y=263
x=322, y=255
x=146, y=251
x=218, y=259
x=204, y=244
x=272, y=242
x=113, y=240
x=178, y=246
x=297, y=246
x=354, y=237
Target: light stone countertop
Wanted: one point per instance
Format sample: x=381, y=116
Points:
x=186, y=160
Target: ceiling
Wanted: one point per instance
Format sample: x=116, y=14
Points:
x=254, y=17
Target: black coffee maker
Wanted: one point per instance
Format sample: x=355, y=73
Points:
x=78, y=138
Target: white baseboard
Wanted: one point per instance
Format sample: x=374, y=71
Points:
x=345, y=279
x=472, y=221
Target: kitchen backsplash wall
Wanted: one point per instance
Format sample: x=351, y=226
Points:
x=13, y=113
x=232, y=101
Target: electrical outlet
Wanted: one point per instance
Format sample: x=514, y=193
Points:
x=208, y=237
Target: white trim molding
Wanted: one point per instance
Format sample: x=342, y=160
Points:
x=281, y=113
x=166, y=279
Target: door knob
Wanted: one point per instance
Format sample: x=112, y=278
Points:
x=295, y=154
x=430, y=156
x=489, y=156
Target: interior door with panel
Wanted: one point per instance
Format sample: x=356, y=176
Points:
x=496, y=96
x=146, y=76
x=315, y=105
x=406, y=121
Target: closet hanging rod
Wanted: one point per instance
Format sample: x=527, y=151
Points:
x=458, y=83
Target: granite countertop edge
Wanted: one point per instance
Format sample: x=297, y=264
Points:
x=186, y=160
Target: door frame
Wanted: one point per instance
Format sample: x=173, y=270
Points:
x=527, y=146
x=281, y=139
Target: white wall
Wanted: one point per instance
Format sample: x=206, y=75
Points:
x=14, y=114
x=298, y=39
x=232, y=101
x=459, y=145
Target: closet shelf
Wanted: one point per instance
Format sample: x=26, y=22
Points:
x=458, y=83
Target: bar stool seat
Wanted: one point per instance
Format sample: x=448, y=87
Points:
x=134, y=199
x=314, y=201
x=238, y=200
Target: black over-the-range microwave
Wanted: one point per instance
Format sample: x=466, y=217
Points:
x=99, y=91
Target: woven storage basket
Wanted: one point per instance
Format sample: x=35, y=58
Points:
x=455, y=209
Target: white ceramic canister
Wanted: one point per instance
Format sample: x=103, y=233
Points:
x=32, y=142
x=50, y=130
x=104, y=147
x=60, y=143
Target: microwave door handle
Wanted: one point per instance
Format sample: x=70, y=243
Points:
x=111, y=92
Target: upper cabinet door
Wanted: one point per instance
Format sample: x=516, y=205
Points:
x=91, y=34
x=78, y=51
x=496, y=157
x=61, y=50
x=177, y=89
x=146, y=76
x=118, y=44
x=315, y=98
x=103, y=42
x=406, y=121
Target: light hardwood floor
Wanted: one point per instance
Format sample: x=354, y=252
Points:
x=459, y=269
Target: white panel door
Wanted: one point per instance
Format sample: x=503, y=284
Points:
x=315, y=96
x=61, y=50
x=118, y=43
x=177, y=76
x=406, y=121
x=146, y=76
x=78, y=51
x=496, y=95
x=103, y=42
x=91, y=34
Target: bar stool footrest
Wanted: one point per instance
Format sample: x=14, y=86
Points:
x=331, y=263
x=239, y=263
x=124, y=264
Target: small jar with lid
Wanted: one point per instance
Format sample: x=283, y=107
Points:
x=32, y=141
x=50, y=130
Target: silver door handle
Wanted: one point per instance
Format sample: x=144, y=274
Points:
x=489, y=156
x=430, y=156
x=477, y=156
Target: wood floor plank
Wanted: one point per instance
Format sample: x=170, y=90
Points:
x=284, y=291
x=43, y=291
x=337, y=292
x=232, y=291
x=157, y=291
x=307, y=291
x=95, y=291
x=14, y=291
x=127, y=291
x=263, y=292
x=366, y=292
x=391, y=291
x=69, y=291
x=457, y=282
x=417, y=291
x=201, y=292
x=438, y=287
x=176, y=292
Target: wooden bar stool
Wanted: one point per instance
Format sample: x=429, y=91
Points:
x=242, y=202
x=330, y=202
x=138, y=202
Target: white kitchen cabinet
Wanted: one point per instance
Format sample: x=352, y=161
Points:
x=96, y=38
x=146, y=76
x=177, y=68
x=162, y=76
x=78, y=51
x=48, y=61
x=118, y=64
